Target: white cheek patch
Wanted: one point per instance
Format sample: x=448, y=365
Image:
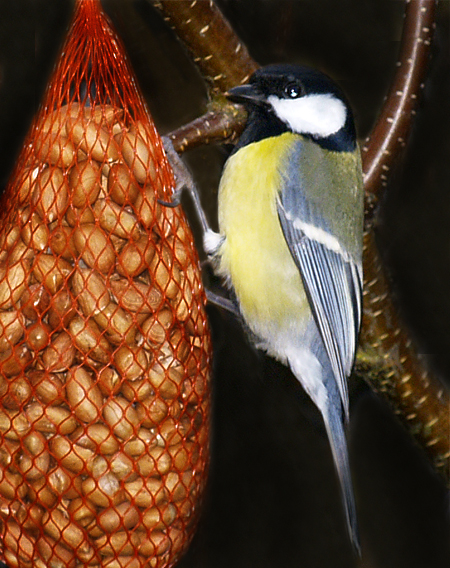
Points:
x=317, y=115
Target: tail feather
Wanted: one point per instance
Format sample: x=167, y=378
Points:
x=336, y=435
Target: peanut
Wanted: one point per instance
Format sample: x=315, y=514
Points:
x=117, y=323
x=135, y=145
x=109, y=381
x=34, y=301
x=122, y=466
x=50, y=194
x=104, y=113
x=64, y=483
x=47, y=387
x=166, y=277
x=159, y=517
x=11, y=485
x=61, y=243
x=25, y=184
x=51, y=271
x=60, y=354
x=14, y=361
x=9, y=452
x=13, y=424
x=36, y=461
x=12, y=325
x=135, y=257
x=84, y=183
x=94, y=141
x=114, y=219
x=83, y=396
x=119, y=543
x=145, y=206
x=156, y=544
x=59, y=527
x=38, y=336
x=55, y=149
x=138, y=445
x=104, y=491
x=81, y=511
x=18, y=393
x=154, y=329
x=91, y=291
x=97, y=437
x=70, y=455
x=131, y=362
x=35, y=233
x=151, y=411
x=50, y=419
x=13, y=282
x=156, y=461
x=94, y=247
x=121, y=417
x=76, y=216
x=121, y=186
x=136, y=390
x=119, y=517
x=145, y=493
x=53, y=554
x=89, y=339
x=62, y=309
x=136, y=296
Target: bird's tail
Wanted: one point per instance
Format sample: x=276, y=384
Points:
x=336, y=434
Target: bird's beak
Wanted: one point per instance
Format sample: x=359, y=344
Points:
x=245, y=94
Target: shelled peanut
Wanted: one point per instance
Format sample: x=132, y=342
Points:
x=103, y=354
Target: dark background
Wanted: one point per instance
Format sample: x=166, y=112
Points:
x=273, y=500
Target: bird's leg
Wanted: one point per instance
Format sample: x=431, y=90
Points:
x=211, y=239
x=222, y=302
x=183, y=181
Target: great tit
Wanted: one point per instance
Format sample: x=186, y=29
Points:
x=289, y=244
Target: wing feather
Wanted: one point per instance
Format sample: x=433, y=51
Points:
x=332, y=282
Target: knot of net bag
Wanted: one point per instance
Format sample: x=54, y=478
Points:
x=104, y=346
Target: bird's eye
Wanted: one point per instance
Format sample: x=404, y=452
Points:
x=292, y=91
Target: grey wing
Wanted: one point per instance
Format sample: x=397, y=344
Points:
x=332, y=281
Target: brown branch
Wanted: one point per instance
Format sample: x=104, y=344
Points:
x=221, y=125
x=392, y=128
x=218, y=52
x=221, y=58
x=387, y=358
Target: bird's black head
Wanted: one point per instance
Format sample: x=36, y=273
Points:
x=299, y=99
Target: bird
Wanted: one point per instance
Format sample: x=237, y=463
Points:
x=289, y=244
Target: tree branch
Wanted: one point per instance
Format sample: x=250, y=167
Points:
x=389, y=135
x=387, y=356
x=388, y=360
x=220, y=55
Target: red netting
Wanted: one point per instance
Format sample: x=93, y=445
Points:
x=104, y=346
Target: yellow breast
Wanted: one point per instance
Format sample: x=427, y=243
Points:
x=254, y=256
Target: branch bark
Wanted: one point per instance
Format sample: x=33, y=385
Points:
x=391, y=131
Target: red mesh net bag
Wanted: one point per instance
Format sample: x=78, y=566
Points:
x=104, y=346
